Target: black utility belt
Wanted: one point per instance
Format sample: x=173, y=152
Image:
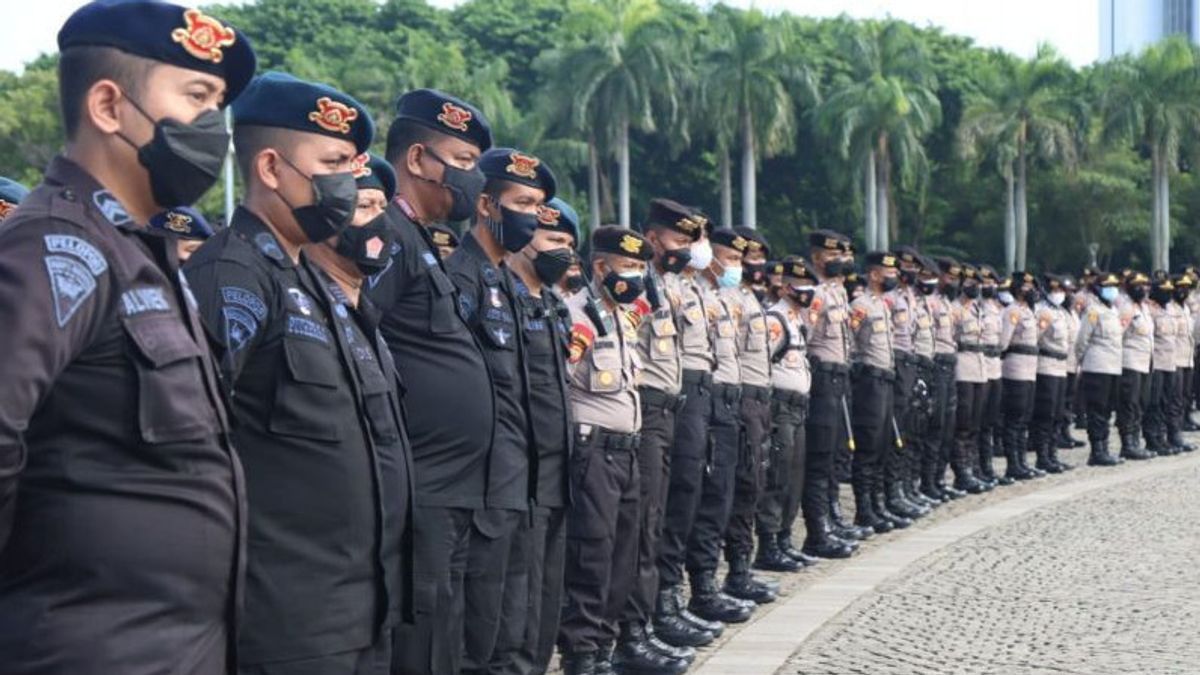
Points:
x=656, y=398
x=698, y=377
x=972, y=349
x=820, y=366
x=945, y=359
x=924, y=362
x=874, y=372
x=906, y=358
x=788, y=397
x=729, y=393
x=1023, y=350
x=1052, y=354
x=591, y=435
x=754, y=392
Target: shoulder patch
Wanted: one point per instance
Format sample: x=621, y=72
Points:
x=232, y=295
x=429, y=258
x=111, y=208
x=146, y=299
x=240, y=326
x=581, y=338
x=79, y=248
x=1093, y=316
x=267, y=244
x=71, y=283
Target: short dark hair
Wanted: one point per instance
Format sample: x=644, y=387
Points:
x=249, y=140
x=402, y=135
x=81, y=67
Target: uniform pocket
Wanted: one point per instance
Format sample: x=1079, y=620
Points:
x=309, y=393
x=172, y=403
x=443, y=311
x=378, y=402
x=605, y=376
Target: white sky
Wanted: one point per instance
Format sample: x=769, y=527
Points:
x=1015, y=25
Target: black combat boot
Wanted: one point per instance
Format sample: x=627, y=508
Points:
x=636, y=656
x=604, y=665
x=1130, y=449
x=818, y=542
x=739, y=583
x=784, y=540
x=1042, y=452
x=1099, y=453
x=770, y=558
x=841, y=528
x=1177, y=442
x=686, y=653
x=897, y=504
x=878, y=503
x=671, y=627
x=1063, y=438
x=708, y=603
x=578, y=663
x=864, y=512
x=714, y=627
x=1022, y=460
x=1054, y=459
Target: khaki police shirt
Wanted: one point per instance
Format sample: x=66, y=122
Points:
x=695, y=341
x=1098, y=345
x=944, y=328
x=1019, y=328
x=752, y=341
x=788, y=348
x=1137, y=339
x=1053, y=327
x=722, y=326
x=827, y=318
x=903, y=318
x=1184, y=347
x=603, y=369
x=1073, y=324
x=923, y=329
x=871, y=332
x=992, y=311
x=969, y=333
x=659, y=338
x=1165, y=327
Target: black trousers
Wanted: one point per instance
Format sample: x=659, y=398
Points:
x=716, y=499
x=373, y=660
x=1133, y=395
x=1176, y=400
x=898, y=458
x=1048, y=396
x=547, y=549
x=688, y=458
x=968, y=417
x=1154, y=419
x=496, y=588
x=750, y=474
x=1099, y=396
x=1071, y=400
x=826, y=431
x=990, y=429
x=602, y=544
x=1017, y=403
x=433, y=642
x=939, y=443
x=873, y=434
x=784, y=485
x=654, y=468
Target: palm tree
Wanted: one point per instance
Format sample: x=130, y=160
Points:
x=1153, y=101
x=618, y=70
x=1023, y=111
x=746, y=90
x=879, y=116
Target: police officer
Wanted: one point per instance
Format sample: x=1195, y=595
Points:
x=11, y=195
x=873, y=378
x=1054, y=327
x=122, y=510
x=1184, y=352
x=1099, y=350
x=1162, y=362
x=922, y=403
x=940, y=439
x=184, y=225
x=670, y=229
x=506, y=216
x=434, y=146
x=970, y=381
x=1063, y=439
x=1018, y=342
x=775, y=289
x=1137, y=345
x=604, y=472
x=545, y=328
x=990, y=428
x=900, y=472
x=828, y=420
x=791, y=382
x=574, y=280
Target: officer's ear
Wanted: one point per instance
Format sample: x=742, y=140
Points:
x=412, y=161
x=483, y=207
x=102, y=104
x=266, y=167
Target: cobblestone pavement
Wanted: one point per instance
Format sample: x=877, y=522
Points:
x=1105, y=583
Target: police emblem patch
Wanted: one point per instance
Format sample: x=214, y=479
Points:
x=359, y=167
x=232, y=295
x=333, y=115
x=240, y=327
x=203, y=37
x=523, y=165
x=307, y=328
x=71, y=283
x=302, y=301
x=454, y=117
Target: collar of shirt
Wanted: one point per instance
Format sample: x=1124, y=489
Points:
x=253, y=230
x=96, y=197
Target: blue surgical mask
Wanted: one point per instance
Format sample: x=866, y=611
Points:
x=1108, y=293
x=731, y=277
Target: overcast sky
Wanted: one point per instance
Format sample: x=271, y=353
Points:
x=1015, y=25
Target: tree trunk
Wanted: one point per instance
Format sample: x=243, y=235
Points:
x=1164, y=233
x=726, y=190
x=1010, y=221
x=1021, y=206
x=1156, y=207
x=869, y=196
x=749, y=189
x=883, y=202
x=594, y=182
x=623, y=160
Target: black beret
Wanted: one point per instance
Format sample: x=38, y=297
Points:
x=11, y=194
x=909, y=254
x=284, y=101
x=622, y=241
x=988, y=272
x=671, y=215
x=1161, y=280
x=774, y=267
x=795, y=267
x=1020, y=278
x=826, y=239
x=442, y=235
x=928, y=264
x=847, y=245
x=184, y=222
x=167, y=33
x=970, y=272
x=1068, y=282
x=515, y=166
x=882, y=259
x=757, y=242
x=446, y=114
x=729, y=238
x=372, y=172
x=949, y=266
x=559, y=216
x=1051, y=281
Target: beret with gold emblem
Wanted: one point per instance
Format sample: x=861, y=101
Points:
x=885, y=259
x=515, y=166
x=184, y=222
x=909, y=255
x=1052, y=282
x=283, y=101
x=757, y=242
x=949, y=266
x=442, y=235
x=1020, y=278
x=1184, y=281
x=11, y=194
x=970, y=272
x=828, y=240
x=795, y=267
x=1161, y=280
x=729, y=238
x=987, y=272
x=1137, y=279
x=559, y=216
x=929, y=265
x=1068, y=283
x=671, y=215
x=446, y=114
x=622, y=241
x=372, y=172
x=164, y=32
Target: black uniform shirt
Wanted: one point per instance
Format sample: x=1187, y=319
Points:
x=546, y=325
x=450, y=407
x=120, y=499
x=486, y=298
x=313, y=582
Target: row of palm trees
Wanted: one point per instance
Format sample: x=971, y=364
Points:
x=744, y=84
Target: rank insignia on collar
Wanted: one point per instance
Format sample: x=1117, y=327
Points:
x=547, y=215
x=523, y=165
x=631, y=244
x=454, y=117
x=359, y=166
x=203, y=37
x=178, y=222
x=333, y=115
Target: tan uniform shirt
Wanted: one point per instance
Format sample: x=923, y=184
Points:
x=969, y=334
x=789, y=348
x=752, y=341
x=992, y=310
x=1053, y=327
x=659, y=338
x=1019, y=328
x=1137, y=343
x=695, y=340
x=603, y=370
x=871, y=332
x=827, y=319
x=1184, y=347
x=923, y=329
x=1164, y=338
x=722, y=326
x=1073, y=323
x=944, y=329
x=903, y=319
x=1099, y=343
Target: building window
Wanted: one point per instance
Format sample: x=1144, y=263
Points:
x=1177, y=17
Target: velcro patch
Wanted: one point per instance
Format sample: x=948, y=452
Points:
x=307, y=328
x=71, y=245
x=141, y=300
x=71, y=283
x=232, y=295
x=240, y=327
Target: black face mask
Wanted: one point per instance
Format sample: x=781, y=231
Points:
x=574, y=283
x=989, y=292
x=971, y=292
x=927, y=287
x=1160, y=296
x=677, y=260
x=1032, y=296
x=1137, y=293
x=889, y=283
x=464, y=186
x=950, y=291
x=802, y=298
x=335, y=196
x=552, y=264
x=514, y=230
x=909, y=277
x=368, y=247
x=623, y=290
x=836, y=268
x=183, y=160
x=1181, y=295
x=754, y=273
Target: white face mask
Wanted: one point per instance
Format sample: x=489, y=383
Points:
x=1057, y=297
x=702, y=255
x=1005, y=298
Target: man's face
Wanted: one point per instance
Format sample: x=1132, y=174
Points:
x=724, y=258
x=370, y=204
x=664, y=240
x=514, y=197
x=548, y=240
x=309, y=155
x=879, y=274
x=451, y=150
x=619, y=264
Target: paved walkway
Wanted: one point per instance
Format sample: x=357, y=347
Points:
x=1096, y=571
